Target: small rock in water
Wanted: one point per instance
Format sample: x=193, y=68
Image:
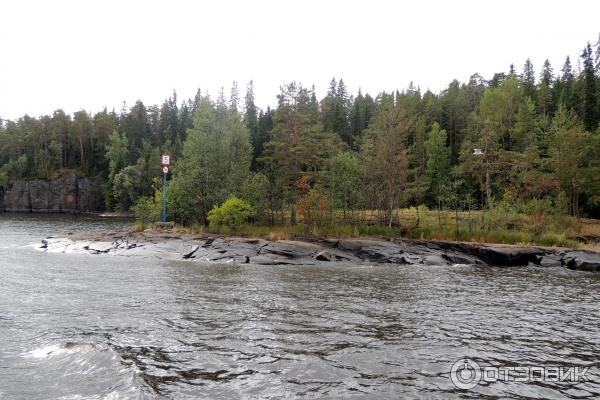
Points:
x=323, y=256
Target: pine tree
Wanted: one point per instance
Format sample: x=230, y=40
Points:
x=590, y=95
x=528, y=80
x=251, y=122
x=566, y=84
x=234, y=98
x=597, y=59
x=545, y=95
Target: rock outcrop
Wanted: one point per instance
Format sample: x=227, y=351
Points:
x=68, y=193
x=326, y=251
x=581, y=260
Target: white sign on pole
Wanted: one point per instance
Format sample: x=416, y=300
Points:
x=166, y=160
x=165, y=169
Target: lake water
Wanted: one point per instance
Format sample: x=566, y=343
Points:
x=107, y=327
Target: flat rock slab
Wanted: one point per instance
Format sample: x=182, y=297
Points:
x=319, y=251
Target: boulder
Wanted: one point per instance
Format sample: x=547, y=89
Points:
x=581, y=260
x=323, y=255
x=510, y=256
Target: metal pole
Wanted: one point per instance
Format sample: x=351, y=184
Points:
x=164, y=198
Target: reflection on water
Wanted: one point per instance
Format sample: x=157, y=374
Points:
x=84, y=326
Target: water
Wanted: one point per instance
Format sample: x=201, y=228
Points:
x=96, y=326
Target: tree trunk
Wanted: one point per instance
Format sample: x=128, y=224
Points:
x=488, y=187
x=81, y=150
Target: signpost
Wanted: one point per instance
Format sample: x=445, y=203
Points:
x=166, y=160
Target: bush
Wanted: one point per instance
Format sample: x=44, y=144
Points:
x=233, y=213
x=256, y=191
x=539, y=207
x=313, y=207
x=146, y=210
x=557, y=239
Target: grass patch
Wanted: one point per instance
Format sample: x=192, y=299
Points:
x=474, y=226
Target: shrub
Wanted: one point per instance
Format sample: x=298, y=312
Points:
x=146, y=210
x=556, y=239
x=539, y=207
x=233, y=213
x=313, y=207
x=256, y=191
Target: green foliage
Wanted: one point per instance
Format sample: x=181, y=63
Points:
x=346, y=182
x=233, y=213
x=146, y=210
x=349, y=159
x=438, y=161
x=256, y=190
x=3, y=179
x=16, y=169
x=183, y=200
x=216, y=158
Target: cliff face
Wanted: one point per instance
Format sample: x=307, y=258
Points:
x=69, y=193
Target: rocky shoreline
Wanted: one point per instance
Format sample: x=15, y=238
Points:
x=310, y=250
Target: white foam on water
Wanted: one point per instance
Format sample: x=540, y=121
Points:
x=56, y=350
x=46, y=351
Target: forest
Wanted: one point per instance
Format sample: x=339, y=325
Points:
x=524, y=140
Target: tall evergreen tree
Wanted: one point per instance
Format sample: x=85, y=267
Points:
x=251, y=122
x=590, y=94
x=545, y=97
x=528, y=80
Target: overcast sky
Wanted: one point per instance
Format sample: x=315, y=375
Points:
x=91, y=54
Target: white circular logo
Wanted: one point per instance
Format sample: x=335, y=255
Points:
x=165, y=169
x=465, y=374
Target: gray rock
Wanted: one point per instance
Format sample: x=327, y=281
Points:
x=67, y=193
x=39, y=194
x=510, y=256
x=581, y=260
x=455, y=258
x=16, y=198
x=435, y=260
x=323, y=256
x=284, y=252
x=550, y=260
x=191, y=253
x=373, y=250
x=265, y=260
x=289, y=249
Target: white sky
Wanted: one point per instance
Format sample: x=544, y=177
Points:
x=91, y=54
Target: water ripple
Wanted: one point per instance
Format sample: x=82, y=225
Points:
x=83, y=326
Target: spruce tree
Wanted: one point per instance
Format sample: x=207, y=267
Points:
x=590, y=99
x=528, y=80
x=566, y=83
x=251, y=121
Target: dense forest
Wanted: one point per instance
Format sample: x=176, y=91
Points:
x=526, y=138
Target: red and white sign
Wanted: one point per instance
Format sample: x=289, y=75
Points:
x=166, y=160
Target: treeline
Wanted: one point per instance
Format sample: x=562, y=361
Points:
x=527, y=139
